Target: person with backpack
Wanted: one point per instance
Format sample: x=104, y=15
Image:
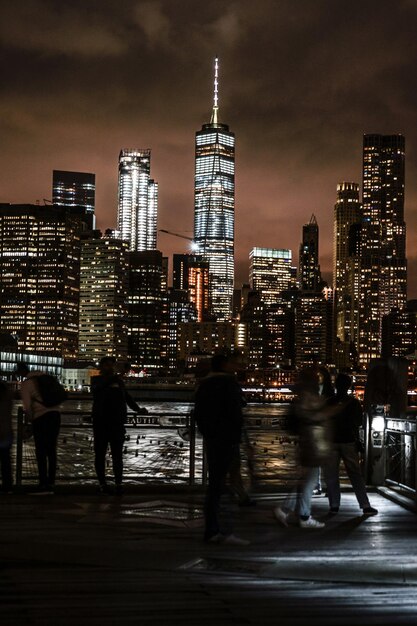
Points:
x=109, y=414
x=219, y=417
x=6, y=437
x=346, y=422
x=42, y=395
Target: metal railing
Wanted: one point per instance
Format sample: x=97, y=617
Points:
x=400, y=453
x=159, y=447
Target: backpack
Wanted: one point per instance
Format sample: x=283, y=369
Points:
x=50, y=390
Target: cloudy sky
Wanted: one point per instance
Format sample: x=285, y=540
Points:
x=301, y=81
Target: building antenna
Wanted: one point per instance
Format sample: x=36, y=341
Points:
x=214, y=115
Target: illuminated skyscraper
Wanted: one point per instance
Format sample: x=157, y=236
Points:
x=40, y=277
x=75, y=189
x=215, y=206
x=347, y=217
x=104, y=282
x=383, y=279
x=309, y=275
x=270, y=273
x=138, y=200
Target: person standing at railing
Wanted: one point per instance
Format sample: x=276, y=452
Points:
x=109, y=413
x=346, y=422
x=6, y=437
x=42, y=396
x=218, y=414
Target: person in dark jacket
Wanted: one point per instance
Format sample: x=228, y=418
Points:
x=346, y=422
x=218, y=414
x=6, y=436
x=110, y=401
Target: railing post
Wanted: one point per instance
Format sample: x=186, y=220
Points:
x=191, y=430
x=19, y=446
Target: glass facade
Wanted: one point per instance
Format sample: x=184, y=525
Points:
x=309, y=275
x=214, y=215
x=138, y=200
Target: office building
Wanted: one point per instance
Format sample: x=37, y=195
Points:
x=214, y=194
x=347, y=218
x=40, y=277
x=383, y=264
x=205, y=338
x=313, y=328
x=270, y=273
x=399, y=331
x=75, y=189
x=104, y=282
x=191, y=273
x=309, y=275
x=180, y=311
x=145, y=309
x=138, y=200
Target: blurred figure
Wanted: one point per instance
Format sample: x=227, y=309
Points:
x=6, y=437
x=218, y=414
x=326, y=391
x=109, y=414
x=312, y=414
x=42, y=396
x=346, y=423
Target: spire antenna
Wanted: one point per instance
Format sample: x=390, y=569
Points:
x=214, y=115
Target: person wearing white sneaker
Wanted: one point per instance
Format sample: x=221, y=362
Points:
x=311, y=414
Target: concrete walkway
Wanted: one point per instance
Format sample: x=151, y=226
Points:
x=85, y=559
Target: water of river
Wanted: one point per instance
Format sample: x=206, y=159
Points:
x=154, y=453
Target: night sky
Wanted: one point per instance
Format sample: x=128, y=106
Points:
x=300, y=82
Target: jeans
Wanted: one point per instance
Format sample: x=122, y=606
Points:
x=348, y=452
x=6, y=467
x=102, y=439
x=299, y=500
x=219, y=459
x=45, y=433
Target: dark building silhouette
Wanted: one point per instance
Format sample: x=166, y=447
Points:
x=399, y=331
x=309, y=275
x=146, y=309
x=75, y=189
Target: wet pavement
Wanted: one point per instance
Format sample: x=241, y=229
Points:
x=80, y=558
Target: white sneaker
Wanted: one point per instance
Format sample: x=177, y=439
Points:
x=232, y=540
x=282, y=516
x=311, y=523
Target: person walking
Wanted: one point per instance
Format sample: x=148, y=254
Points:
x=346, y=422
x=312, y=413
x=109, y=414
x=6, y=437
x=42, y=396
x=218, y=414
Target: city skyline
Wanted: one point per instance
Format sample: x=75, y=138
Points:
x=299, y=127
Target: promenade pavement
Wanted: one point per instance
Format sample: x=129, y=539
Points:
x=81, y=558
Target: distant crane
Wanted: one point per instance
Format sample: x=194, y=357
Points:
x=194, y=245
x=169, y=232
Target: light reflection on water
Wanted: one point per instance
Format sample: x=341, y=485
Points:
x=162, y=453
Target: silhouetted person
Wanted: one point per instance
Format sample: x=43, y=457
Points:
x=346, y=423
x=6, y=436
x=42, y=396
x=109, y=413
x=312, y=413
x=218, y=413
